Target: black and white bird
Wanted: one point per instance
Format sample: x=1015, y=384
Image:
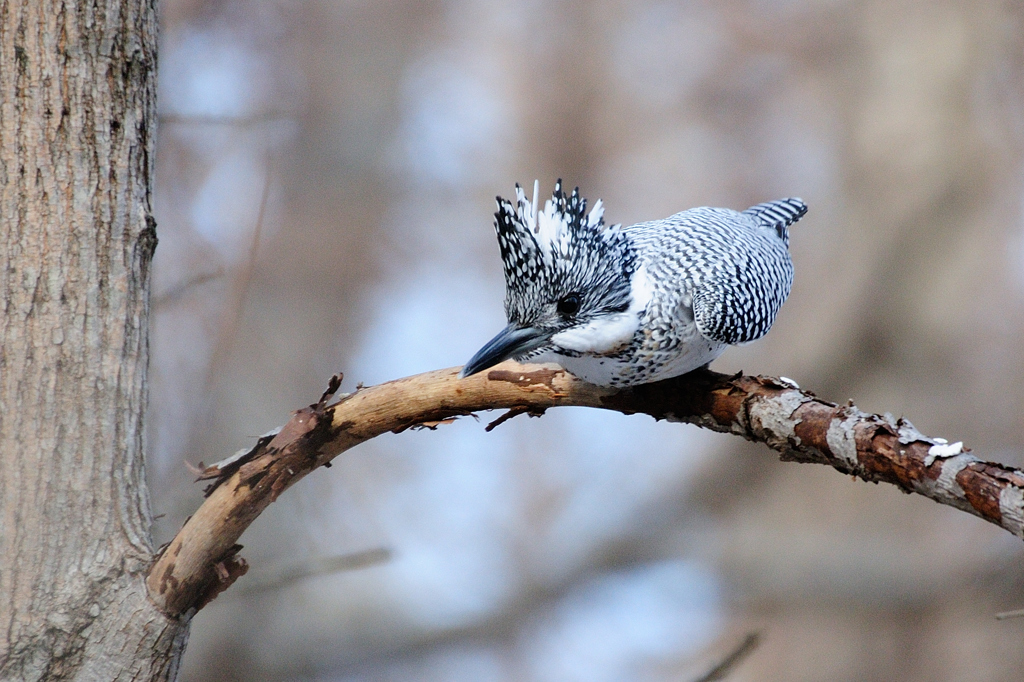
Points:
x=624, y=306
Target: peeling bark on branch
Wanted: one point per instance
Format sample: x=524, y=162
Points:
x=198, y=562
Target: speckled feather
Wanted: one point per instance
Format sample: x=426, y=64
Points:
x=560, y=250
x=658, y=298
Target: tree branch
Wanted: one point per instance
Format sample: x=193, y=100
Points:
x=201, y=560
x=735, y=657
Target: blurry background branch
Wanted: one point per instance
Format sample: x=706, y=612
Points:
x=282, y=577
x=202, y=559
x=735, y=657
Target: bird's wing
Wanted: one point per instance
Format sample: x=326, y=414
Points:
x=738, y=296
x=732, y=311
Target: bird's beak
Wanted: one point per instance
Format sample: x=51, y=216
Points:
x=511, y=341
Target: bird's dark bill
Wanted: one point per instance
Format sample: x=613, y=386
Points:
x=512, y=341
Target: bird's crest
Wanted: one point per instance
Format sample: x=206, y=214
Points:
x=558, y=250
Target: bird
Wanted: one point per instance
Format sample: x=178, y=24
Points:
x=619, y=306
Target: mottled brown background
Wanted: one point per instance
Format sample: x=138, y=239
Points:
x=587, y=546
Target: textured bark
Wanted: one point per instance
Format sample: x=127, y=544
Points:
x=202, y=559
x=76, y=143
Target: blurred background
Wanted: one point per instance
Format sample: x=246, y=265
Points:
x=326, y=173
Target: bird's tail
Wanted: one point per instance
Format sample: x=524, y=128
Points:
x=779, y=215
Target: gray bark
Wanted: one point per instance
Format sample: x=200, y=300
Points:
x=76, y=139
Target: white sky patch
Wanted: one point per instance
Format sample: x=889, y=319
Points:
x=227, y=204
x=607, y=470
x=208, y=73
x=451, y=563
x=619, y=625
x=455, y=124
x=432, y=320
x=665, y=49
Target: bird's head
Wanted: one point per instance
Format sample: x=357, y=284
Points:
x=567, y=279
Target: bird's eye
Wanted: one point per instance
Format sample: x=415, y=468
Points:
x=568, y=304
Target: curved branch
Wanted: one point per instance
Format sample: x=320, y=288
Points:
x=202, y=561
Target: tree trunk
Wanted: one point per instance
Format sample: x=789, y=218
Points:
x=77, y=114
